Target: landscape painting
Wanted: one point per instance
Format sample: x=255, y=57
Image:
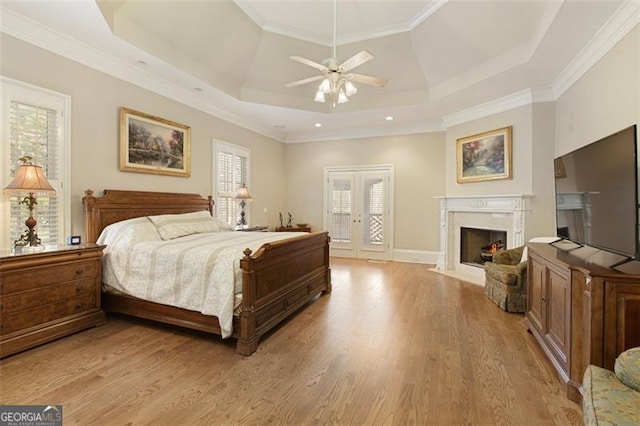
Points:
x=150, y=144
x=485, y=156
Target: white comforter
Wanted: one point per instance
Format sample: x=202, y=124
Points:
x=199, y=272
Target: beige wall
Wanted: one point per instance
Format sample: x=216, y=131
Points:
x=419, y=176
x=95, y=101
x=605, y=100
x=521, y=121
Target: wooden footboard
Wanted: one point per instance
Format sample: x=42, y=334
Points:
x=278, y=279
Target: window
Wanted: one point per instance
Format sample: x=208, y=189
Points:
x=35, y=124
x=232, y=165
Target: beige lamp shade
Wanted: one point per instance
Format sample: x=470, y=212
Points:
x=29, y=178
x=242, y=193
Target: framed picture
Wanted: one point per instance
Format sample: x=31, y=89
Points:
x=151, y=144
x=486, y=156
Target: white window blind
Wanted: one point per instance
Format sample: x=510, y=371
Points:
x=34, y=132
x=35, y=126
x=232, y=170
x=341, y=205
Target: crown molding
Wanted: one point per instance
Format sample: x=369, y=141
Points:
x=324, y=40
x=369, y=132
x=505, y=103
x=623, y=20
x=25, y=29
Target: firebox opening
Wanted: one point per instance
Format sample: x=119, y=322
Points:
x=478, y=245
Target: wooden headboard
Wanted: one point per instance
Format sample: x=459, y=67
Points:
x=116, y=205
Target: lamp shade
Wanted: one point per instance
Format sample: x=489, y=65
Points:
x=242, y=193
x=29, y=178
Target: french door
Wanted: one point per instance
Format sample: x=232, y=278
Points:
x=358, y=211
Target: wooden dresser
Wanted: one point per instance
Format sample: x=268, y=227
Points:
x=580, y=313
x=48, y=294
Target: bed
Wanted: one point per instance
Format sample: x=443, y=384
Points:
x=277, y=278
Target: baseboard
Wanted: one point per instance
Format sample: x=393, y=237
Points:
x=416, y=256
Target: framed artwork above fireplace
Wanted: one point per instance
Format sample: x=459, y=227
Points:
x=485, y=156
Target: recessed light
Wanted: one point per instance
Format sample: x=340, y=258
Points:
x=143, y=63
x=197, y=89
x=388, y=118
x=318, y=125
x=280, y=126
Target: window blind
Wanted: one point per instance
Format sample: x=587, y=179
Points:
x=34, y=131
x=232, y=171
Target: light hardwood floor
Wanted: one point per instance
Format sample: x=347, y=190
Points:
x=393, y=344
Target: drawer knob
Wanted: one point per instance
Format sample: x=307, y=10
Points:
x=78, y=305
x=78, y=287
x=79, y=271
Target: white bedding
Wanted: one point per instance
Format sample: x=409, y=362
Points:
x=200, y=272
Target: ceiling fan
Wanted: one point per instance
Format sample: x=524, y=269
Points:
x=336, y=78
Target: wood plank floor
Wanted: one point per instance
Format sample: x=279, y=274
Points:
x=393, y=344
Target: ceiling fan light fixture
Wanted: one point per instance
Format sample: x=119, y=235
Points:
x=342, y=97
x=319, y=96
x=325, y=86
x=349, y=88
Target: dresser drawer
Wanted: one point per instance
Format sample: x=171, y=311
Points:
x=31, y=317
x=43, y=296
x=16, y=281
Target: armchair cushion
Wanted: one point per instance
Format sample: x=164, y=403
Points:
x=627, y=368
x=506, y=280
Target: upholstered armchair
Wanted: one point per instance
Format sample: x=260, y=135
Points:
x=506, y=279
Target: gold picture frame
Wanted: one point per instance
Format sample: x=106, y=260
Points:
x=150, y=144
x=485, y=156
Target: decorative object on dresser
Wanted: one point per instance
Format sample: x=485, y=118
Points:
x=48, y=295
x=506, y=279
x=579, y=312
x=243, y=195
x=278, y=278
x=30, y=179
x=150, y=144
x=485, y=156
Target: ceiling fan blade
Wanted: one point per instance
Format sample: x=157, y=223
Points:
x=309, y=62
x=304, y=81
x=367, y=79
x=356, y=60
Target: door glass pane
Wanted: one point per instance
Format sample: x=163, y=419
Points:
x=373, y=212
x=341, y=209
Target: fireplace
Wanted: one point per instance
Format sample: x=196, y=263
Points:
x=478, y=245
x=508, y=213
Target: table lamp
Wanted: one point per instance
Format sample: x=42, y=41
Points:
x=30, y=179
x=243, y=194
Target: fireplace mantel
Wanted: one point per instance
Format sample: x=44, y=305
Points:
x=511, y=213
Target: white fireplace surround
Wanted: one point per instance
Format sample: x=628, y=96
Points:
x=510, y=213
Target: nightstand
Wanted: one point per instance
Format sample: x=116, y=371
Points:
x=48, y=294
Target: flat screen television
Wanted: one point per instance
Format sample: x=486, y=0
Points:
x=597, y=194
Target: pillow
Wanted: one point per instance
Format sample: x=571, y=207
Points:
x=131, y=230
x=172, y=226
x=222, y=225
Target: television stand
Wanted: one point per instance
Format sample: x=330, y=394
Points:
x=580, y=313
